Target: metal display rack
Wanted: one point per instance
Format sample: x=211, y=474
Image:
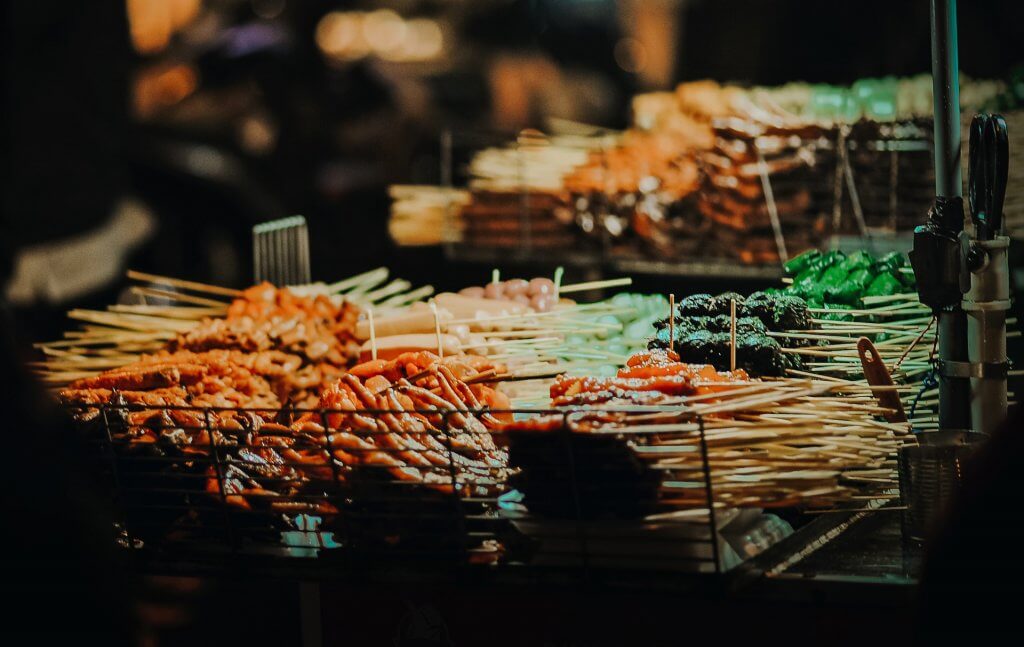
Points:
x=568, y=506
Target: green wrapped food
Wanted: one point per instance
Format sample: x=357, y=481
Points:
x=830, y=259
x=804, y=282
x=883, y=285
x=857, y=261
x=891, y=263
x=850, y=290
x=831, y=277
x=801, y=263
x=908, y=279
x=760, y=355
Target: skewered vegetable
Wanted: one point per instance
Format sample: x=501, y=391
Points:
x=703, y=332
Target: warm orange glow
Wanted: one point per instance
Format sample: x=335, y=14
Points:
x=152, y=23
x=159, y=87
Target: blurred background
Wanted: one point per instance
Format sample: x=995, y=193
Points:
x=155, y=133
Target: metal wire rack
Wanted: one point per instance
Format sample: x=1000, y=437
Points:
x=201, y=483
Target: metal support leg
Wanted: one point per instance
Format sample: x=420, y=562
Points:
x=310, y=614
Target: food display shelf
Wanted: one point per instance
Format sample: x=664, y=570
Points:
x=599, y=265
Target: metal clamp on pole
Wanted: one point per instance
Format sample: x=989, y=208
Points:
x=975, y=370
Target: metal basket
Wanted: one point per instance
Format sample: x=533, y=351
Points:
x=930, y=478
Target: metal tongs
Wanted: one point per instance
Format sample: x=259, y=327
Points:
x=986, y=184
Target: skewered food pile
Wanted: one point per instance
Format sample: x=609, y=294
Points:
x=703, y=331
x=755, y=174
x=302, y=320
x=538, y=293
x=424, y=215
x=215, y=378
x=427, y=434
x=317, y=331
x=648, y=378
x=780, y=443
x=516, y=195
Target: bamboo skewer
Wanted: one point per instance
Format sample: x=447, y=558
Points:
x=365, y=277
x=177, y=296
x=595, y=285
x=732, y=334
x=181, y=283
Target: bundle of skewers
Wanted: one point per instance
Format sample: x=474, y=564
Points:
x=773, y=443
x=324, y=329
x=182, y=314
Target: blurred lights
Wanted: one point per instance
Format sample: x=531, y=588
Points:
x=338, y=35
x=268, y=9
x=163, y=86
x=152, y=23
x=630, y=55
x=385, y=29
x=351, y=35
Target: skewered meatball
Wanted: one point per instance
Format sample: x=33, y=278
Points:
x=696, y=347
x=759, y=305
x=697, y=305
x=790, y=313
x=760, y=355
x=726, y=297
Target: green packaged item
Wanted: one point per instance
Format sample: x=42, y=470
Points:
x=891, y=263
x=906, y=278
x=851, y=288
x=883, y=285
x=858, y=260
x=833, y=275
x=804, y=282
x=846, y=292
x=828, y=259
x=801, y=263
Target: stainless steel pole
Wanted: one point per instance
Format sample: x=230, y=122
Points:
x=954, y=392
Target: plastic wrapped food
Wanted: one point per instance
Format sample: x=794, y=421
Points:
x=891, y=262
x=850, y=289
x=836, y=312
x=883, y=285
x=858, y=260
x=801, y=263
